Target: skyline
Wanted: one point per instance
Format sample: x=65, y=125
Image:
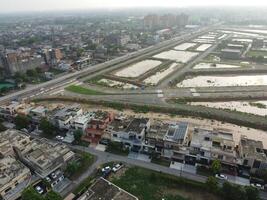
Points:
x=50, y=5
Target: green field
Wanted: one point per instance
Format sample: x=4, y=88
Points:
x=6, y=85
x=151, y=185
x=256, y=53
x=82, y=90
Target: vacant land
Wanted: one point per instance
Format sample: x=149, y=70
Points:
x=151, y=185
x=256, y=53
x=82, y=90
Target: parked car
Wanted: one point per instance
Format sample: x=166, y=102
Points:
x=117, y=167
x=53, y=175
x=257, y=185
x=59, y=137
x=48, y=179
x=106, y=169
x=39, y=189
x=221, y=176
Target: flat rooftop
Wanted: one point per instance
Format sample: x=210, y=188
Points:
x=252, y=148
x=137, y=125
x=158, y=129
x=105, y=190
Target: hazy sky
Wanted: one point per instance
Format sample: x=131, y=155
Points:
x=41, y=5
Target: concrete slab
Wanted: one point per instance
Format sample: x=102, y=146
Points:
x=101, y=147
x=139, y=156
x=184, y=167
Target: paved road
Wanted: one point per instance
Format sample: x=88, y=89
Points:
x=104, y=157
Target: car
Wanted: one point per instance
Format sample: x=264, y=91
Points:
x=61, y=178
x=47, y=179
x=53, y=175
x=39, y=189
x=257, y=185
x=106, y=169
x=221, y=176
x=59, y=137
x=117, y=167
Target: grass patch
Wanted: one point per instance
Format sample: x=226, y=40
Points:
x=256, y=53
x=81, y=188
x=258, y=105
x=117, y=148
x=150, y=185
x=82, y=90
x=76, y=168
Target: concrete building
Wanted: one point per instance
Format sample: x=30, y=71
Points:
x=14, y=177
x=97, y=126
x=63, y=117
x=81, y=122
x=252, y=154
x=208, y=145
x=231, y=53
x=45, y=157
x=130, y=131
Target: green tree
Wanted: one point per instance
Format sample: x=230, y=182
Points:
x=216, y=166
x=30, y=193
x=53, y=196
x=47, y=127
x=233, y=192
x=71, y=168
x=212, y=184
x=252, y=193
x=32, y=72
x=77, y=136
x=21, y=121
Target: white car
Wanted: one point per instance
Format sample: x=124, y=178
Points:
x=106, y=169
x=39, y=189
x=59, y=137
x=48, y=179
x=257, y=185
x=221, y=176
x=53, y=175
x=117, y=167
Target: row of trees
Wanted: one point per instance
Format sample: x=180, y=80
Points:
x=232, y=192
x=22, y=121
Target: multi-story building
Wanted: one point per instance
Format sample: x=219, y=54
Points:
x=97, y=126
x=252, y=154
x=63, y=117
x=129, y=131
x=208, y=145
x=15, y=176
x=45, y=157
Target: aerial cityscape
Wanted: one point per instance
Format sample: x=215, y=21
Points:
x=132, y=100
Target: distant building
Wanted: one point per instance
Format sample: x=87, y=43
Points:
x=231, y=53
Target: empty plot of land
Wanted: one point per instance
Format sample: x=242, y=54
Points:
x=139, y=68
x=178, y=56
x=118, y=84
x=224, y=81
x=213, y=65
x=208, y=41
x=256, y=108
x=154, y=80
x=184, y=46
x=242, y=40
x=203, y=47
